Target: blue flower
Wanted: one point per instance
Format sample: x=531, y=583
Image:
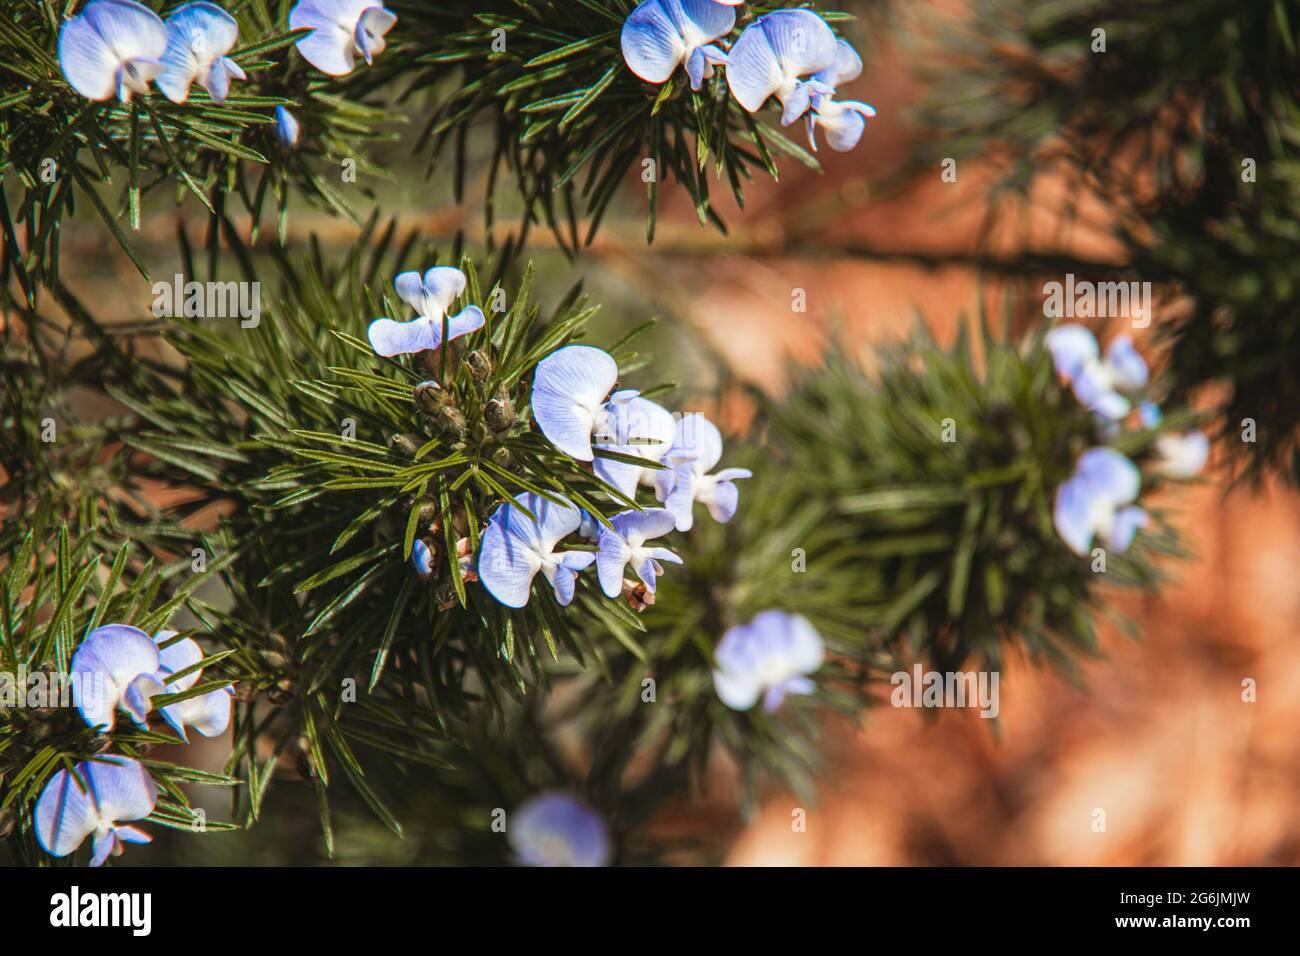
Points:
x=104, y=794
x=421, y=558
x=115, y=668
x=113, y=46
x=208, y=713
x=767, y=658
x=515, y=547
x=119, y=667
x=341, y=30
x=1097, y=500
x=570, y=406
x=1097, y=381
x=1149, y=414
x=626, y=544
x=555, y=830
x=770, y=56
x=636, y=427
x=568, y=401
x=842, y=120
x=287, y=129
x=199, y=35
x=697, y=448
x=430, y=295
x=1182, y=454
x=660, y=35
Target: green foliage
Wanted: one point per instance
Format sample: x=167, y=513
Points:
x=53, y=590
x=944, y=469
x=335, y=461
x=58, y=149
x=567, y=118
x=1160, y=127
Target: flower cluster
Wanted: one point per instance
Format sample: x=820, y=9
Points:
x=1098, y=498
x=121, y=46
x=577, y=407
x=790, y=54
x=579, y=411
x=767, y=659
x=120, y=668
x=555, y=830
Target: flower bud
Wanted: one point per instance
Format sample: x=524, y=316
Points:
x=479, y=364
x=500, y=413
x=281, y=692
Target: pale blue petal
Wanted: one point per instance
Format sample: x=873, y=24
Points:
x=646, y=572
x=1073, y=515
x=331, y=46
x=796, y=104
x=1072, y=347
x=1127, y=522
x=1110, y=474
x=88, y=63
x=610, y=562
x=1127, y=366
x=569, y=386
x=442, y=285
x=506, y=565
x=1095, y=394
x=847, y=66
x=208, y=713
x=556, y=830
x=132, y=835
x=389, y=338
x=698, y=68
x=176, y=657
x=577, y=560
x=103, y=847
x=774, y=698
x=421, y=558
x=469, y=320
x=371, y=30
x=698, y=440
x=789, y=638
x=1183, y=456
x=199, y=35
x=682, y=500
x=410, y=289
x=564, y=583
x=1149, y=414
x=753, y=72
x=651, y=523
x=844, y=130
x=64, y=816
x=104, y=665
x=722, y=501
x=136, y=698
x=620, y=474
x=287, y=128
x=700, y=21
x=652, y=46
x=554, y=522
x=109, y=34
x=122, y=789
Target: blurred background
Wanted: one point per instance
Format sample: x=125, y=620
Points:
x=1157, y=736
